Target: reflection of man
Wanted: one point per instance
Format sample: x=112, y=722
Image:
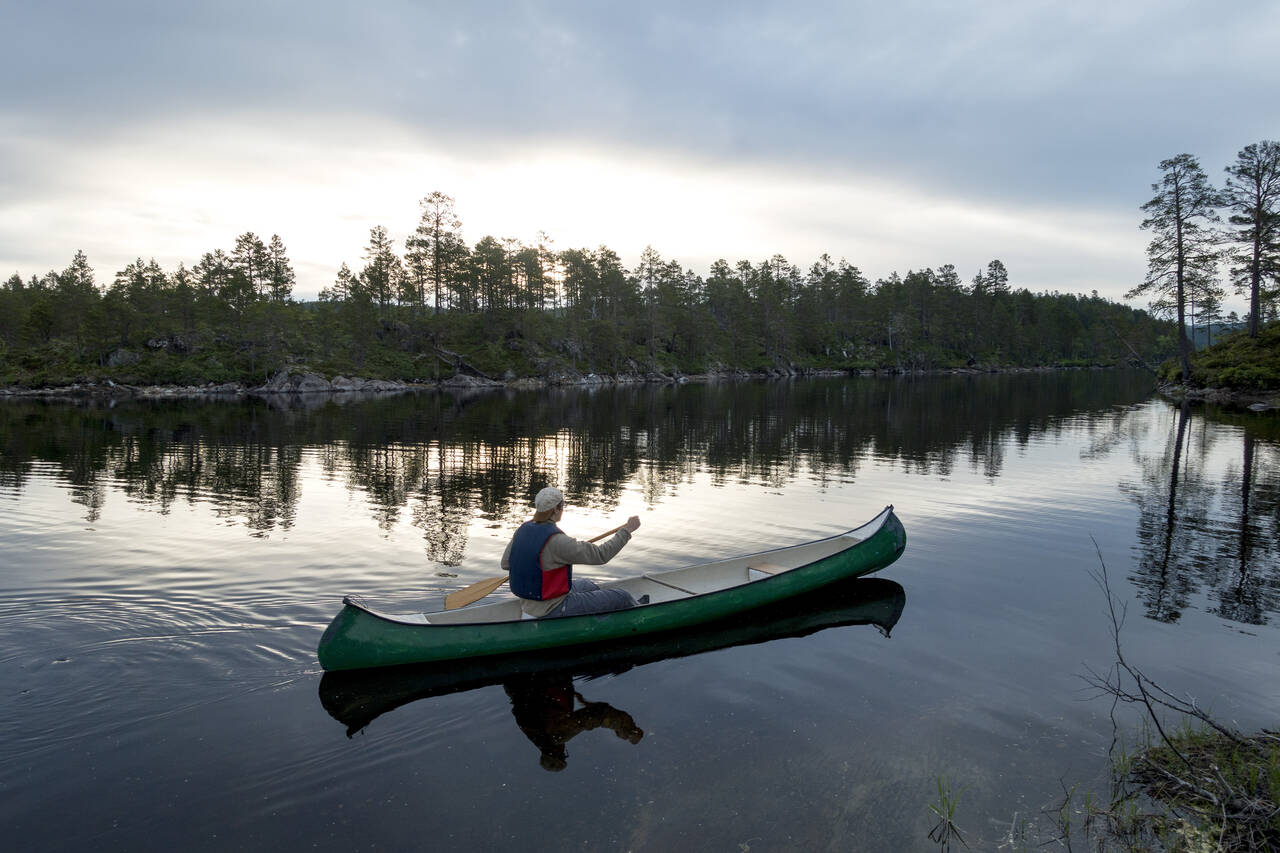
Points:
x=543, y=706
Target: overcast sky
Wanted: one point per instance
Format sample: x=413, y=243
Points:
x=897, y=136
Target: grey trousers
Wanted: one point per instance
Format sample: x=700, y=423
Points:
x=585, y=597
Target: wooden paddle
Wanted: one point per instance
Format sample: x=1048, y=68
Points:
x=480, y=589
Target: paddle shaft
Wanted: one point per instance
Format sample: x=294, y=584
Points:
x=607, y=533
x=480, y=589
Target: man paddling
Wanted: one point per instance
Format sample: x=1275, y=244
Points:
x=540, y=559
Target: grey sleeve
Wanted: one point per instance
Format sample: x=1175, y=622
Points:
x=562, y=549
x=506, y=557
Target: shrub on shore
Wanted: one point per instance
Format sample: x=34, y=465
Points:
x=1238, y=362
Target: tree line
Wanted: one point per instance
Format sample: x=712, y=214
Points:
x=1189, y=242
x=507, y=308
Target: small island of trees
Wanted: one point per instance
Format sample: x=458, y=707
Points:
x=1188, y=246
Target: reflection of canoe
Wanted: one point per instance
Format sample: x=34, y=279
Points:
x=359, y=637
x=356, y=698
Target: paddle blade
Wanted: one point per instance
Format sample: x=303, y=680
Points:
x=475, y=592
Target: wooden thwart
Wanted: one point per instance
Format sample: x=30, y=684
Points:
x=767, y=568
x=668, y=584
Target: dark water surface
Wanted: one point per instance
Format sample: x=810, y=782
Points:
x=166, y=569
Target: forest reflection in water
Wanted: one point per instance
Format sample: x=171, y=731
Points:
x=442, y=460
x=1209, y=525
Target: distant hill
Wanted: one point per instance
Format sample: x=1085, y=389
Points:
x=1201, y=338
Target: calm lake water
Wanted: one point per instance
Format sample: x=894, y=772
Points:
x=166, y=569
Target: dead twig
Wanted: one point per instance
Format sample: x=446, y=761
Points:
x=1210, y=781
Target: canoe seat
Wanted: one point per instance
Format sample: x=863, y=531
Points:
x=767, y=568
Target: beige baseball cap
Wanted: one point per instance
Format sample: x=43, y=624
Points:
x=548, y=499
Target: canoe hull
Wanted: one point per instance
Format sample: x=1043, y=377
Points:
x=358, y=638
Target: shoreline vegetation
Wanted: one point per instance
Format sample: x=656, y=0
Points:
x=440, y=311
x=499, y=313
x=1209, y=787
x=1240, y=370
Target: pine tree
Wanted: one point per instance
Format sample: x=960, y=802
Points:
x=580, y=282
x=184, y=292
x=435, y=250
x=489, y=274
x=551, y=272
x=647, y=274
x=1211, y=313
x=250, y=257
x=997, y=278
x=381, y=274
x=1183, y=249
x=279, y=272
x=77, y=298
x=1252, y=193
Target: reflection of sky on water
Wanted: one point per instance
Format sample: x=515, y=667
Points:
x=384, y=516
x=329, y=497
x=183, y=606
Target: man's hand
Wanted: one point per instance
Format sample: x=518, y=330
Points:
x=632, y=525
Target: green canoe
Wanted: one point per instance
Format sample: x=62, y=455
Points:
x=357, y=697
x=359, y=637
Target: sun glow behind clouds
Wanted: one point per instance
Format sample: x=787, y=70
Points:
x=175, y=191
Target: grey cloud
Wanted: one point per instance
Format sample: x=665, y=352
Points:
x=1007, y=100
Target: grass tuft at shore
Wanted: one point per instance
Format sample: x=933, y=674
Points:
x=1211, y=790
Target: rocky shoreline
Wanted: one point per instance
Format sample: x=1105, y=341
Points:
x=1254, y=401
x=300, y=382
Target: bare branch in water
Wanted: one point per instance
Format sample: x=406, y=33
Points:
x=1208, y=781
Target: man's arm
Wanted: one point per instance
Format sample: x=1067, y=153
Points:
x=562, y=549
